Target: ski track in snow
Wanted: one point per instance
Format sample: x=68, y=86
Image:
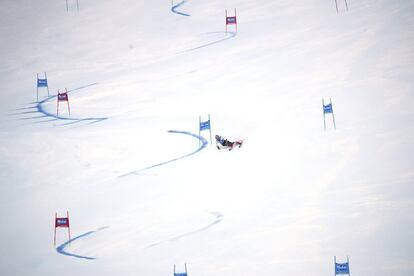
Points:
x=204, y=143
x=232, y=35
x=218, y=219
x=40, y=109
x=61, y=248
x=173, y=8
x=202, y=146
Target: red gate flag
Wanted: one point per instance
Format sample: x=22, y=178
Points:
x=62, y=222
x=62, y=97
x=231, y=20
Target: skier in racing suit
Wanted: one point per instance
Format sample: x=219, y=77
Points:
x=224, y=143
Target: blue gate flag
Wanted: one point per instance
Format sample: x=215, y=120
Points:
x=181, y=273
x=41, y=82
x=205, y=125
x=341, y=268
x=327, y=108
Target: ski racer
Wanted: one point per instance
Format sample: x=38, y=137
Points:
x=222, y=143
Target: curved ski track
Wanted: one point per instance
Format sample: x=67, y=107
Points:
x=202, y=146
x=72, y=120
x=204, y=143
x=232, y=35
x=218, y=219
x=39, y=108
x=61, y=248
x=173, y=8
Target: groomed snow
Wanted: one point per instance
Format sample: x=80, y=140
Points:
x=142, y=191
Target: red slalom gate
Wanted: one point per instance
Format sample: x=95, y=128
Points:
x=62, y=222
x=231, y=20
x=62, y=97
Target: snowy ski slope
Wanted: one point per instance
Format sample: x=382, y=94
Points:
x=144, y=192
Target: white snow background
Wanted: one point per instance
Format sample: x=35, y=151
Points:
x=293, y=197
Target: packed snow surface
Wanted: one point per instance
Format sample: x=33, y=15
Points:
x=144, y=191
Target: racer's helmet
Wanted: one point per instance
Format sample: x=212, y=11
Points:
x=217, y=137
